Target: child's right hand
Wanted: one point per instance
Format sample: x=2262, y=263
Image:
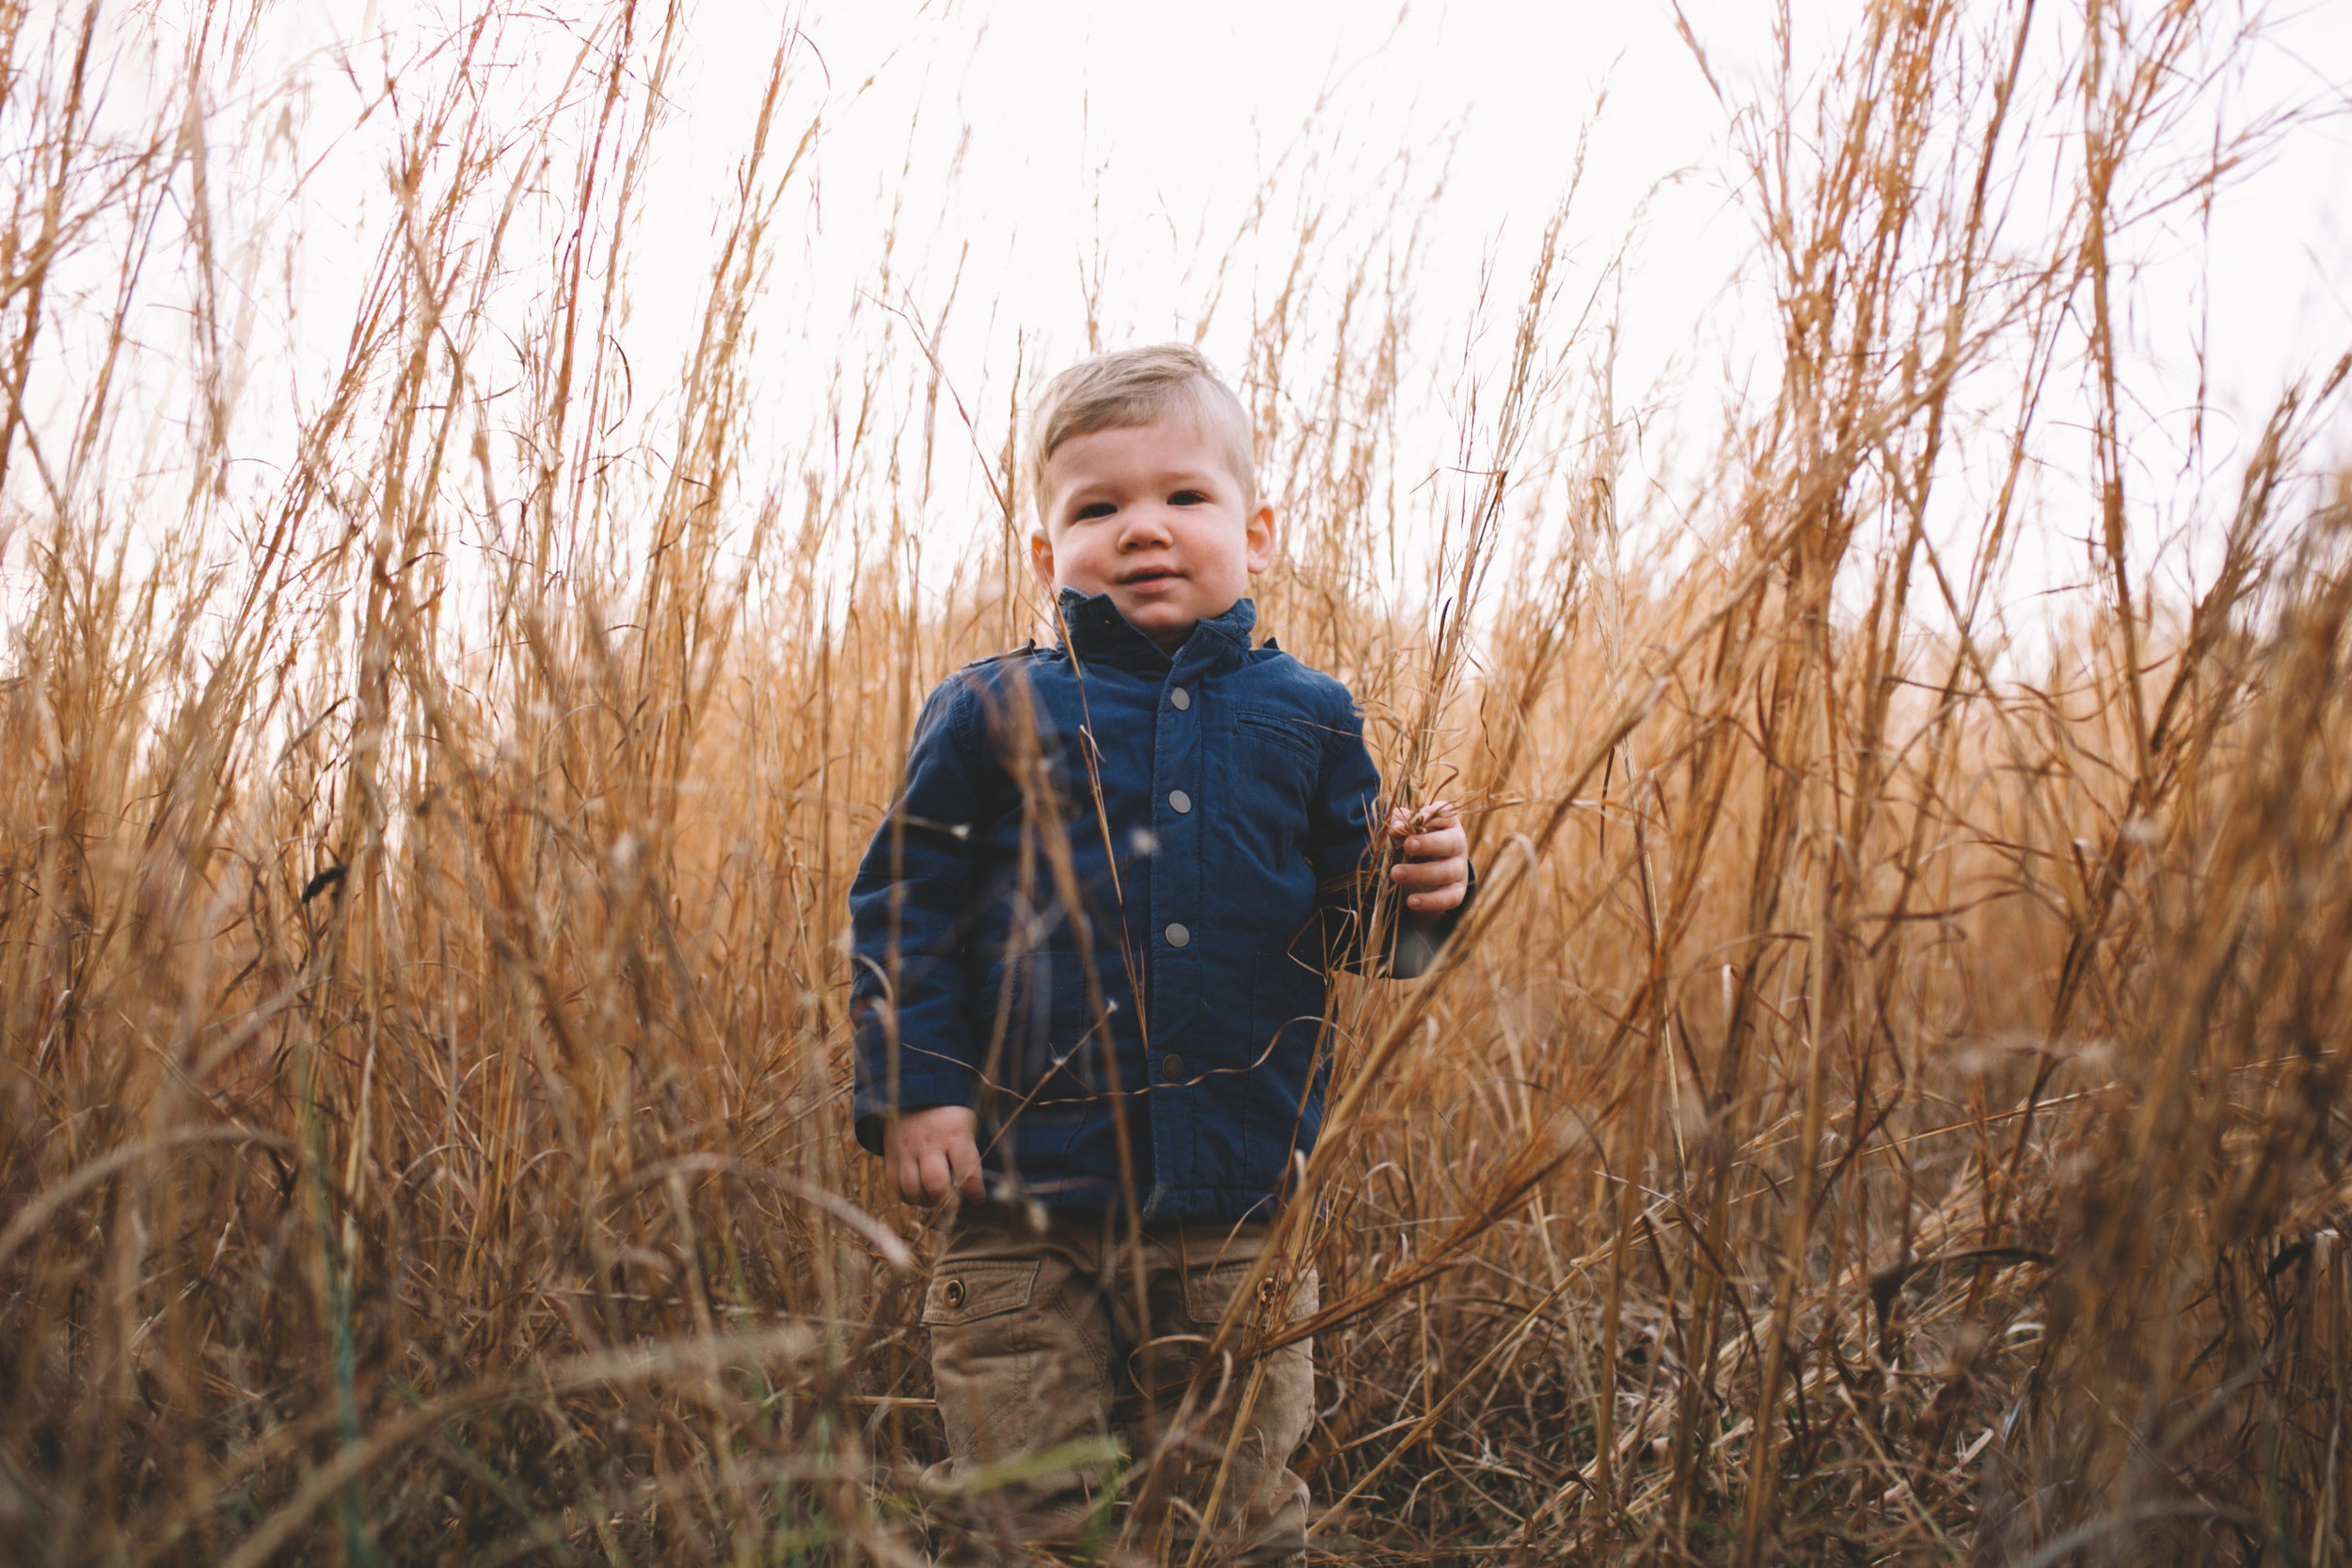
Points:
x=933, y=1152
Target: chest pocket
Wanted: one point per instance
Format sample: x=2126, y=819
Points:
x=1278, y=753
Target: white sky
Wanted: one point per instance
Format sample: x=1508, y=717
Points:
x=1135, y=128
x=1034, y=141
x=1026, y=145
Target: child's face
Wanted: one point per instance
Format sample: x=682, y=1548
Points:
x=1152, y=516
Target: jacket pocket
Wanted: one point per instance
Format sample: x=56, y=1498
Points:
x=1038, y=1032
x=1300, y=738
x=1269, y=770
x=1286, y=1000
x=964, y=1291
x=1283, y=1109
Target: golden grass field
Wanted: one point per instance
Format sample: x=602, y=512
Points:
x=1887, y=1106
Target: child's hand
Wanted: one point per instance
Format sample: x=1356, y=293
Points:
x=933, y=1152
x=1435, y=868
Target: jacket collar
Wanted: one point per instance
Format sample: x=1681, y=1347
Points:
x=1096, y=633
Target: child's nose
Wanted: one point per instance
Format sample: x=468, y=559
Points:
x=1147, y=526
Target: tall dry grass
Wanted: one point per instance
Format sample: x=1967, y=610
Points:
x=1888, y=1104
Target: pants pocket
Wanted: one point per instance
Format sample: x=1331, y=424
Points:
x=1017, y=1376
x=1207, y=1289
x=968, y=1290
x=1264, y=1505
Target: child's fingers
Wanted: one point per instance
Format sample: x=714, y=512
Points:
x=1431, y=833
x=934, y=1182
x=1436, y=816
x=1432, y=887
x=1428, y=876
x=910, y=1178
x=963, y=1167
x=1438, y=844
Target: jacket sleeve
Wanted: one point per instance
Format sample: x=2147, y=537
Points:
x=1351, y=864
x=910, y=910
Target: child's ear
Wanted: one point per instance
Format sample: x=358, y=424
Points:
x=1263, y=537
x=1042, y=558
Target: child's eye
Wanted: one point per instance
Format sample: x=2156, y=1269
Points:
x=1092, y=510
x=1187, y=497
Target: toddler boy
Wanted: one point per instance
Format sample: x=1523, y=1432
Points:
x=1092, y=947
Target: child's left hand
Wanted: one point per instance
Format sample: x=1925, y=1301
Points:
x=1435, y=868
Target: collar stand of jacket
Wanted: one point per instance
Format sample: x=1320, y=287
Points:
x=1096, y=633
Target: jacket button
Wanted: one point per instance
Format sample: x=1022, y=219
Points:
x=954, y=1295
x=1171, y=1066
x=1178, y=699
x=1179, y=801
x=1178, y=936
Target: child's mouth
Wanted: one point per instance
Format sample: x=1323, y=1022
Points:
x=1149, y=579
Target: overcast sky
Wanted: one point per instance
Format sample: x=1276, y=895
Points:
x=1135, y=131
x=1033, y=143
x=1026, y=152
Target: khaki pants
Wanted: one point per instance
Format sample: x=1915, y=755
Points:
x=1040, y=1338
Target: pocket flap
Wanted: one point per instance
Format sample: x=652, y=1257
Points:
x=963, y=1291
x=1302, y=738
x=1207, y=1290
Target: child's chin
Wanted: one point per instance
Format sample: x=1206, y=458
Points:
x=1159, y=615
x=1163, y=623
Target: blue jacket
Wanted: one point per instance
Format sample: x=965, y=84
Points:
x=1160, y=958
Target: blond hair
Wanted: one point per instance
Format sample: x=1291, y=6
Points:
x=1136, y=387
